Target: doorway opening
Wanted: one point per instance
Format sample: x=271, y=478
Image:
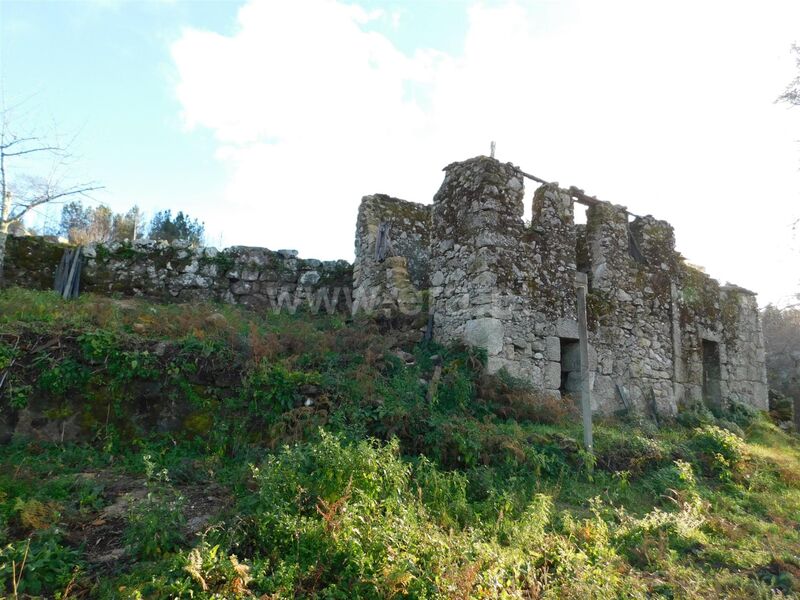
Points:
x=570, y=367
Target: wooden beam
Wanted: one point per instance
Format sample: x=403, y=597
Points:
x=577, y=194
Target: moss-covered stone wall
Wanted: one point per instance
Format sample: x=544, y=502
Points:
x=391, y=285
x=177, y=272
x=508, y=287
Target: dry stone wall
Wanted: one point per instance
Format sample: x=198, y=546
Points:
x=176, y=272
x=391, y=285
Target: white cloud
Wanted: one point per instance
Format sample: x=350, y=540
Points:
x=665, y=107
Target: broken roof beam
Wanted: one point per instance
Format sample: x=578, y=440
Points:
x=577, y=194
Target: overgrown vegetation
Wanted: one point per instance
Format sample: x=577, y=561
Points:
x=222, y=454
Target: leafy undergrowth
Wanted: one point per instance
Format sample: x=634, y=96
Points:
x=326, y=459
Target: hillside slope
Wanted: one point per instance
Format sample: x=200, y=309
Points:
x=200, y=451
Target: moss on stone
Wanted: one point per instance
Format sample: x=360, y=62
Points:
x=729, y=316
x=198, y=423
x=600, y=306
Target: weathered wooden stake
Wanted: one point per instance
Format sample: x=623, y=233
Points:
x=492, y=150
x=581, y=284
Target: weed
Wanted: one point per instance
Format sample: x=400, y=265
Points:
x=155, y=523
x=39, y=563
x=719, y=452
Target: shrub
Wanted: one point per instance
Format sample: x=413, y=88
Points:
x=36, y=515
x=675, y=482
x=49, y=566
x=58, y=378
x=719, y=451
x=217, y=573
x=343, y=513
x=443, y=494
x=743, y=415
x=8, y=354
x=155, y=524
x=275, y=388
x=695, y=416
x=627, y=451
x=512, y=398
x=655, y=537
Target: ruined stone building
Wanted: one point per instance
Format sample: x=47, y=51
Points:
x=662, y=334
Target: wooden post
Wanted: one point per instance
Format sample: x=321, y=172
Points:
x=491, y=153
x=581, y=284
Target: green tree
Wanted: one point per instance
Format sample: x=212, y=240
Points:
x=75, y=218
x=182, y=227
x=84, y=224
x=129, y=225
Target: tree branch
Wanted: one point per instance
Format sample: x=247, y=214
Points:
x=54, y=149
x=20, y=209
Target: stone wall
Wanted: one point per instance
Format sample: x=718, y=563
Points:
x=176, y=272
x=662, y=335
x=392, y=285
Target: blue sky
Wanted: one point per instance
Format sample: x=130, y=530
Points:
x=270, y=119
x=101, y=72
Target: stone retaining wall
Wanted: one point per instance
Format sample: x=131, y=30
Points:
x=176, y=272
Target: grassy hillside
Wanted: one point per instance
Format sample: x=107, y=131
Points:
x=206, y=452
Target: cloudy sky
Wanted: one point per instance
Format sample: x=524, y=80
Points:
x=269, y=120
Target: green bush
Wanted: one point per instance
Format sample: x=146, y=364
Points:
x=342, y=511
x=58, y=378
x=49, y=565
x=660, y=536
x=719, y=452
x=444, y=494
x=273, y=388
x=620, y=450
x=155, y=523
x=671, y=482
x=8, y=354
x=743, y=415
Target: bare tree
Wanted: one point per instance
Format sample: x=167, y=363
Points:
x=792, y=96
x=792, y=92
x=21, y=190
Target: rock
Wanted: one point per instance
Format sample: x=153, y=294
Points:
x=284, y=253
x=180, y=244
x=112, y=556
x=406, y=357
x=310, y=278
x=197, y=523
x=485, y=333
